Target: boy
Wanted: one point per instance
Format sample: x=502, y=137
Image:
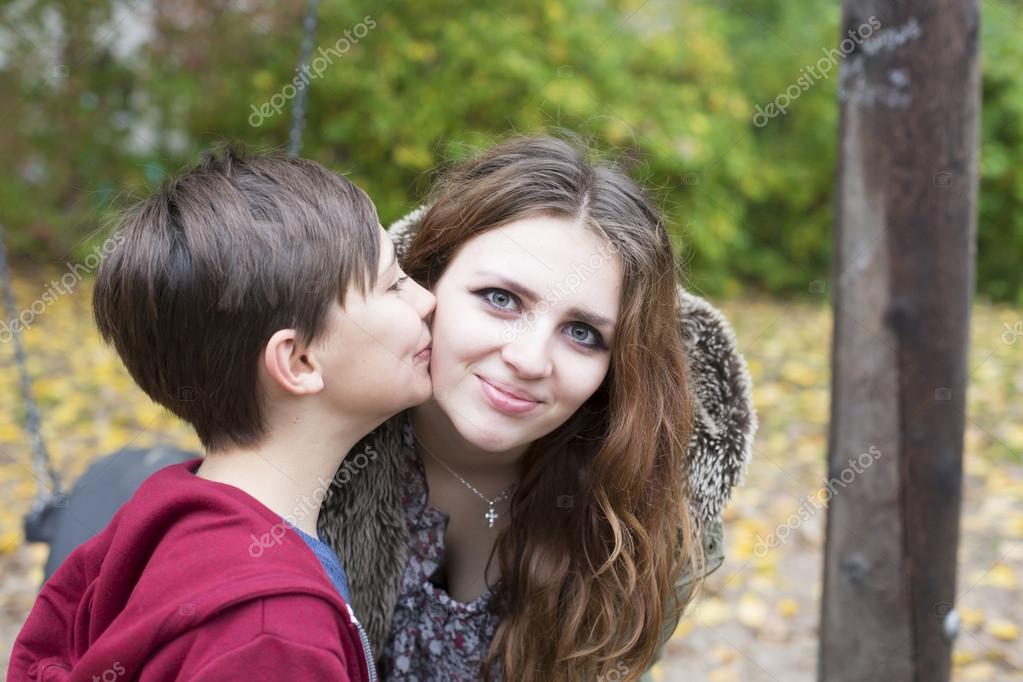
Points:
x=259, y=300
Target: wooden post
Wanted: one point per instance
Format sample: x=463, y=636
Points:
x=903, y=283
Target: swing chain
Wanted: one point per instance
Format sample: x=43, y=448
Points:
x=298, y=104
x=41, y=464
x=48, y=482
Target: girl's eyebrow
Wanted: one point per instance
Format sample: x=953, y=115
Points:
x=582, y=314
x=591, y=318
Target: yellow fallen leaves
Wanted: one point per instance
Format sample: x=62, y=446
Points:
x=788, y=607
x=742, y=539
x=711, y=611
x=752, y=611
x=980, y=661
x=724, y=675
x=89, y=406
x=971, y=618
x=963, y=657
x=999, y=575
x=977, y=672
x=1013, y=526
x=800, y=374
x=685, y=626
x=1004, y=630
x=10, y=432
x=722, y=654
x=10, y=537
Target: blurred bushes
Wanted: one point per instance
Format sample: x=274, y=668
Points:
x=102, y=95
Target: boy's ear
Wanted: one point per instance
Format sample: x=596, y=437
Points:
x=290, y=365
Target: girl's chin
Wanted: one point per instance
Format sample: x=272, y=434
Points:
x=490, y=441
x=473, y=421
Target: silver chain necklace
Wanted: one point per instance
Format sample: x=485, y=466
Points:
x=491, y=514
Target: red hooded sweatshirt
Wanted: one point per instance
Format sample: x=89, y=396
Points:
x=191, y=580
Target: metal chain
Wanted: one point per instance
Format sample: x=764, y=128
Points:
x=491, y=514
x=499, y=498
x=40, y=456
x=298, y=104
x=41, y=462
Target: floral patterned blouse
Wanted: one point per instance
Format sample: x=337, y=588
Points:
x=433, y=636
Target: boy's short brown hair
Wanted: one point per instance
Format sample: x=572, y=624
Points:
x=213, y=264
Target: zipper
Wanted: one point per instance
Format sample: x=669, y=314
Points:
x=364, y=638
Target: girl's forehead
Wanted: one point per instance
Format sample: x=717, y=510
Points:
x=549, y=243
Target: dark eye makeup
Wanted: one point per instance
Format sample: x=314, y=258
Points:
x=505, y=301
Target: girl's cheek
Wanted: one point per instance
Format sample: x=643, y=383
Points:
x=589, y=375
x=464, y=330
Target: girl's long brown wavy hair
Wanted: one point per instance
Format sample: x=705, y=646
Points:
x=600, y=525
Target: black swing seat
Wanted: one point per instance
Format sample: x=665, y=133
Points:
x=65, y=521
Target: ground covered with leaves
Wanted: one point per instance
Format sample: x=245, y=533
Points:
x=757, y=617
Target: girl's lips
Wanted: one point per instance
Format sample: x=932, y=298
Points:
x=503, y=401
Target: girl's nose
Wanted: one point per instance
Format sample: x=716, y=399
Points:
x=527, y=353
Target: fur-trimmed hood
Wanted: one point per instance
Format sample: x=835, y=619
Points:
x=362, y=518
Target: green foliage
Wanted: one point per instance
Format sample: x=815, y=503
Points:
x=1000, y=223
x=669, y=88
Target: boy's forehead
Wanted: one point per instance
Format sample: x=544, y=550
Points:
x=388, y=255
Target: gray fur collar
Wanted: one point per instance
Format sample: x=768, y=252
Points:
x=363, y=519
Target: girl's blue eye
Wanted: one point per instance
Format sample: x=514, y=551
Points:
x=585, y=335
x=505, y=301
x=499, y=298
x=397, y=285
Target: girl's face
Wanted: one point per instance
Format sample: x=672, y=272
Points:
x=522, y=331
